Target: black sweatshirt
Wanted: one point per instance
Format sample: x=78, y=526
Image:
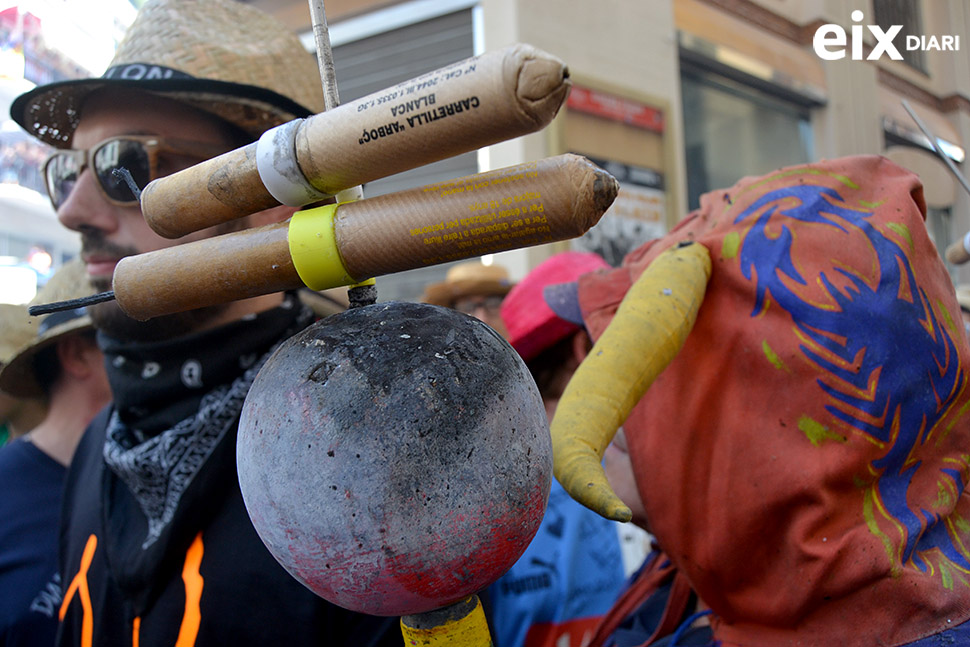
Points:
x=208, y=579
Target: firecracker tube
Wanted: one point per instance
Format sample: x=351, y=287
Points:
x=553, y=199
x=459, y=108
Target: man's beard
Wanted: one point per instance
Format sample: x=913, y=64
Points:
x=110, y=319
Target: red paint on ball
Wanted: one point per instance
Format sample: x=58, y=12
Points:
x=395, y=458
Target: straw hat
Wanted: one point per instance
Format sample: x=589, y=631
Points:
x=473, y=278
x=220, y=56
x=325, y=302
x=70, y=282
x=17, y=329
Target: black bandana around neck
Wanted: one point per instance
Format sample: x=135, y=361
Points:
x=156, y=385
x=167, y=441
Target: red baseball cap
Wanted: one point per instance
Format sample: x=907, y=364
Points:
x=532, y=324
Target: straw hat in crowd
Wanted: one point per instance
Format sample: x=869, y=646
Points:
x=70, y=282
x=17, y=329
x=473, y=278
x=221, y=56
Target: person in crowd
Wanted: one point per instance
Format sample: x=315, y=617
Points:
x=63, y=365
x=801, y=460
x=570, y=574
x=17, y=415
x=157, y=547
x=475, y=289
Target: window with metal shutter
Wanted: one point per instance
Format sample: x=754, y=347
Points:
x=376, y=62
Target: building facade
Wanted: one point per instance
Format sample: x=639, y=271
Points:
x=60, y=41
x=679, y=97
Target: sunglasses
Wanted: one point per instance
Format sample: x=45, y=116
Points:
x=137, y=154
x=469, y=305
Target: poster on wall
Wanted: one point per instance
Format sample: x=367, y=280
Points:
x=636, y=216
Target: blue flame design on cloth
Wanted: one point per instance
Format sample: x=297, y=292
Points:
x=905, y=352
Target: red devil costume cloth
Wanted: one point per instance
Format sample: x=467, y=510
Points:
x=803, y=461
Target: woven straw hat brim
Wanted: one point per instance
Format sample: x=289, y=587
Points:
x=223, y=56
x=447, y=292
x=17, y=329
x=326, y=302
x=69, y=282
x=51, y=112
x=17, y=377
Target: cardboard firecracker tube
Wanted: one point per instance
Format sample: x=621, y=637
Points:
x=554, y=199
x=459, y=108
x=958, y=253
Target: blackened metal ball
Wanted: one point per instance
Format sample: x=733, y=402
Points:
x=395, y=458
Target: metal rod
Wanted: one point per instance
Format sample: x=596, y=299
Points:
x=366, y=293
x=936, y=147
x=321, y=38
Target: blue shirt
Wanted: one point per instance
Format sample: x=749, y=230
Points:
x=30, y=505
x=565, y=581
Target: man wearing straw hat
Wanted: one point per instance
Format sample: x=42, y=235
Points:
x=61, y=364
x=17, y=415
x=475, y=289
x=157, y=546
x=573, y=569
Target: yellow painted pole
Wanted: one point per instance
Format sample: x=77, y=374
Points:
x=461, y=624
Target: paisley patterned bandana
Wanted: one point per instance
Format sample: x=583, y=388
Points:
x=158, y=452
